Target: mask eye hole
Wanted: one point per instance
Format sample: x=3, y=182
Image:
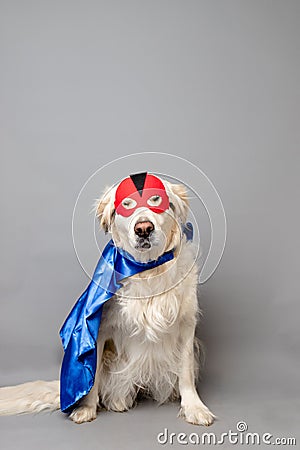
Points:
x=155, y=200
x=129, y=203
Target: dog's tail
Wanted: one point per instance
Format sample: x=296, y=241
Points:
x=31, y=397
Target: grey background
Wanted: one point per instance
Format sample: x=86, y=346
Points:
x=216, y=82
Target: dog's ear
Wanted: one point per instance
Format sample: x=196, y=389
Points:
x=179, y=200
x=105, y=208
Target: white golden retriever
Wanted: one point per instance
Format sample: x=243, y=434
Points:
x=146, y=342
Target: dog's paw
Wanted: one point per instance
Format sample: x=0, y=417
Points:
x=83, y=414
x=197, y=415
x=118, y=406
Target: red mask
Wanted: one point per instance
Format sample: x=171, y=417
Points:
x=141, y=190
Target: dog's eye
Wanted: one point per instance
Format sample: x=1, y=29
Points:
x=129, y=203
x=155, y=200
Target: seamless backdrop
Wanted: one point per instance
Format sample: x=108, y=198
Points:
x=216, y=82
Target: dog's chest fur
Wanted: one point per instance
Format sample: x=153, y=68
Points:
x=146, y=329
x=152, y=304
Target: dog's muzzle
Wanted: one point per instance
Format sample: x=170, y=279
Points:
x=143, y=231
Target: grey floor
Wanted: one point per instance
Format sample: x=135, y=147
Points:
x=139, y=428
x=215, y=82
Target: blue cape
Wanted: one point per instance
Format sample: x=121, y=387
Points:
x=80, y=331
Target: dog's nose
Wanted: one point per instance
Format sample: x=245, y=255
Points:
x=143, y=229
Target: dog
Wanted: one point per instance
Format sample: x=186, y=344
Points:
x=146, y=343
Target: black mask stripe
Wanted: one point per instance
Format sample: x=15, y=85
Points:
x=139, y=181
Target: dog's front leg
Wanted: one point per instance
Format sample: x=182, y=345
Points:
x=193, y=410
x=87, y=409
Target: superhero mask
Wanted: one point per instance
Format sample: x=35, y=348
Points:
x=141, y=190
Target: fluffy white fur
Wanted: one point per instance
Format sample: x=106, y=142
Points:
x=146, y=341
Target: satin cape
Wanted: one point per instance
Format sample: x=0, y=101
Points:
x=80, y=331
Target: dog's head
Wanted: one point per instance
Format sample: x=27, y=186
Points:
x=144, y=214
